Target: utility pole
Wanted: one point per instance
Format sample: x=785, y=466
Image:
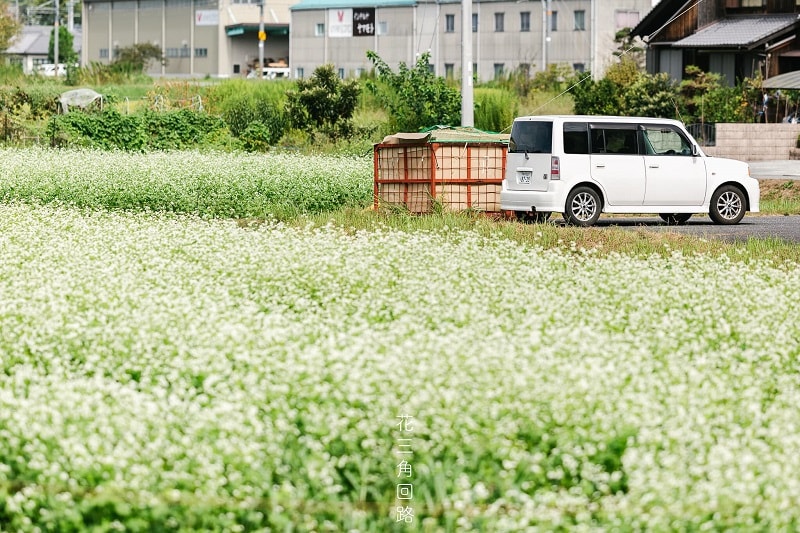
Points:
x=55, y=40
x=262, y=36
x=467, y=105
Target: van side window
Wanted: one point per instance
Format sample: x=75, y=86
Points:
x=665, y=141
x=576, y=138
x=531, y=137
x=614, y=141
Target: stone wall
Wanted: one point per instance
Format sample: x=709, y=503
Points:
x=756, y=142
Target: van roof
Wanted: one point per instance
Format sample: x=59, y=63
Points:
x=599, y=118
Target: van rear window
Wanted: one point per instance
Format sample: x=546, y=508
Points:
x=531, y=137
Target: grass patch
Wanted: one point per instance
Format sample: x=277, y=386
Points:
x=603, y=241
x=780, y=197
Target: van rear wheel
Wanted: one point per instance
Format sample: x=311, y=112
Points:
x=583, y=207
x=675, y=219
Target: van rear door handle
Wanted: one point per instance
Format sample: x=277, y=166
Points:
x=600, y=166
x=652, y=166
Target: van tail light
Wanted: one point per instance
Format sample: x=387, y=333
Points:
x=555, y=168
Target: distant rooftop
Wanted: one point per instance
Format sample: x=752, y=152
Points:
x=35, y=40
x=740, y=31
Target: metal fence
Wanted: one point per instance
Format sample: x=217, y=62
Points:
x=706, y=134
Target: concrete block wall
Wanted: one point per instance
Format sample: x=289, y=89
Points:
x=755, y=142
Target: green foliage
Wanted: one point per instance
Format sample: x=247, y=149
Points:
x=9, y=27
x=128, y=65
x=495, y=109
x=323, y=103
x=253, y=111
x=628, y=47
x=623, y=73
x=652, y=96
x=66, y=52
x=11, y=73
x=150, y=130
x=415, y=98
x=35, y=101
x=556, y=78
x=595, y=97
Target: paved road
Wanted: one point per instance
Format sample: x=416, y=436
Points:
x=786, y=170
x=761, y=226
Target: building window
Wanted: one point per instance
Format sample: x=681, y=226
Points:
x=498, y=70
x=341, y=73
x=625, y=19
x=103, y=53
x=298, y=73
x=359, y=72
x=474, y=71
x=580, y=20
x=236, y=68
x=172, y=52
x=578, y=67
x=752, y=3
x=475, y=22
x=449, y=23
x=525, y=21
x=201, y=52
x=449, y=69
x=319, y=29
x=554, y=21
x=185, y=51
x=499, y=22
x=383, y=27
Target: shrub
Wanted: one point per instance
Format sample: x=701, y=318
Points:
x=415, y=98
x=323, y=103
x=652, y=96
x=495, y=109
x=599, y=97
x=150, y=130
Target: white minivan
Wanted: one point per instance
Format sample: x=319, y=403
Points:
x=583, y=165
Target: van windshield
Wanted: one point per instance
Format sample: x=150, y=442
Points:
x=531, y=137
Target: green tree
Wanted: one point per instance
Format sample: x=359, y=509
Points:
x=652, y=96
x=415, y=97
x=323, y=103
x=66, y=52
x=133, y=59
x=599, y=97
x=9, y=27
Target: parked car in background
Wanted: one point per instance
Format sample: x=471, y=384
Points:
x=582, y=166
x=49, y=69
x=270, y=73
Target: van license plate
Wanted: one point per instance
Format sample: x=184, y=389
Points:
x=524, y=177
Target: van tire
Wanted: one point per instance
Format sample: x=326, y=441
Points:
x=728, y=205
x=675, y=219
x=539, y=217
x=583, y=207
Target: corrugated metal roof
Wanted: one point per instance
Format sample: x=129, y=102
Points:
x=344, y=4
x=788, y=80
x=738, y=31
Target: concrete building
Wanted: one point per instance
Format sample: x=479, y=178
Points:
x=216, y=38
x=219, y=38
x=507, y=35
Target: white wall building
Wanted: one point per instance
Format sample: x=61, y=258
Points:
x=219, y=38
x=506, y=34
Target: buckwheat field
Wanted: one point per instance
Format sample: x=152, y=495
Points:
x=165, y=367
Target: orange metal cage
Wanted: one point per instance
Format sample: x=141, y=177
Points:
x=457, y=175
